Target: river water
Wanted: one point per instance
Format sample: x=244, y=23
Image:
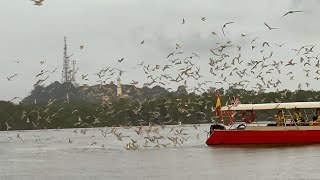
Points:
x=91, y=154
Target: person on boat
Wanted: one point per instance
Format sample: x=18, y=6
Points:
x=316, y=117
x=280, y=120
x=297, y=116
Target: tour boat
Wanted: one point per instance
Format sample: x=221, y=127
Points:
x=247, y=132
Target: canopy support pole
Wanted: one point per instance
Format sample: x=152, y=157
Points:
x=233, y=123
x=293, y=120
x=305, y=114
x=284, y=118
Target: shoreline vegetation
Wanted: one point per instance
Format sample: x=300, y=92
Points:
x=168, y=109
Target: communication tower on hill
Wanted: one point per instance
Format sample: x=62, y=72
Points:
x=68, y=74
x=66, y=66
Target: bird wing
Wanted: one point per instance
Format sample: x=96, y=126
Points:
x=254, y=40
x=267, y=25
x=286, y=14
x=227, y=23
x=265, y=43
x=223, y=32
x=225, y=26
x=169, y=55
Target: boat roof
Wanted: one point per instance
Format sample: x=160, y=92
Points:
x=266, y=106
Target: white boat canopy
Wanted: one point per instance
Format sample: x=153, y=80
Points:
x=266, y=106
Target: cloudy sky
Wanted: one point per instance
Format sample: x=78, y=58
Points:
x=113, y=29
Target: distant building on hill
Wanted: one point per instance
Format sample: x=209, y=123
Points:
x=119, y=88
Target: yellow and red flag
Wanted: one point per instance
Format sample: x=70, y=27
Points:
x=218, y=105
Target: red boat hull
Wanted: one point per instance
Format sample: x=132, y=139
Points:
x=263, y=137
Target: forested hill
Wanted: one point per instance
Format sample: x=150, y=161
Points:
x=67, y=92
x=171, y=108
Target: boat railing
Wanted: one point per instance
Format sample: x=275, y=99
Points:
x=289, y=119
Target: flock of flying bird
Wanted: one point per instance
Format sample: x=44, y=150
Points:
x=222, y=65
x=152, y=136
x=181, y=68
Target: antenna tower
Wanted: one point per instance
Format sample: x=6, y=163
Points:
x=66, y=67
x=74, y=71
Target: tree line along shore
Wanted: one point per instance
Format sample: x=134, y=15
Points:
x=170, y=109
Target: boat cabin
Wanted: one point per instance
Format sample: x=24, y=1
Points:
x=249, y=113
x=239, y=125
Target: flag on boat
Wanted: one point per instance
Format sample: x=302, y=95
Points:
x=218, y=105
x=236, y=102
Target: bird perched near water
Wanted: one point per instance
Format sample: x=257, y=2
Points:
x=81, y=47
x=183, y=21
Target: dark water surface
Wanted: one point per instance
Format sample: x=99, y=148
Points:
x=47, y=154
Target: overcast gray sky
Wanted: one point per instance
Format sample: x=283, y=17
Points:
x=113, y=29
